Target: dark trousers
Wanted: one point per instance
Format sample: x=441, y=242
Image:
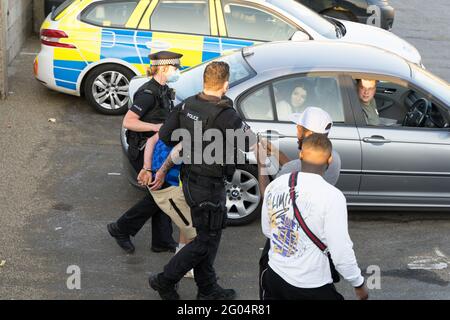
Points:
x=134, y=219
x=201, y=253
x=263, y=265
x=275, y=288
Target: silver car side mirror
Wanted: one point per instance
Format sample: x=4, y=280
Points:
x=300, y=36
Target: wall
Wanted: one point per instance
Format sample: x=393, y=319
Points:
x=3, y=53
x=18, y=18
x=19, y=25
x=38, y=14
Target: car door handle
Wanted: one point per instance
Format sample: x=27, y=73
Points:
x=376, y=139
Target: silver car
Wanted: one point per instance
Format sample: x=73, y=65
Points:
x=403, y=163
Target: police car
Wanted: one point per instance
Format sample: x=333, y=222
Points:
x=94, y=47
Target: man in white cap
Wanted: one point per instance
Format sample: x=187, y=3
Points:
x=312, y=120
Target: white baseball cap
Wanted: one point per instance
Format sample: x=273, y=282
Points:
x=314, y=119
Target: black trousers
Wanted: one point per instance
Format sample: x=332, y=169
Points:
x=275, y=288
x=135, y=218
x=201, y=253
x=263, y=265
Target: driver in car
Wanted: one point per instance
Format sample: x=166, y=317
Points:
x=366, y=93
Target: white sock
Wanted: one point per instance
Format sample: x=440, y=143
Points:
x=180, y=246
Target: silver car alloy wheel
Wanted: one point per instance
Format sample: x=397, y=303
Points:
x=110, y=90
x=243, y=195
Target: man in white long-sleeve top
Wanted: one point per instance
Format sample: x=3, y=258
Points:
x=299, y=269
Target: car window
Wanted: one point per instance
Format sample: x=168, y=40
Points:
x=258, y=105
x=294, y=95
x=60, y=9
x=307, y=16
x=395, y=103
x=191, y=81
x=181, y=17
x=109, y=14
x=244, y=21
x=436, y=86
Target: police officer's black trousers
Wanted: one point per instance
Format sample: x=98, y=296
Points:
x=135, y=218
x=201, y=253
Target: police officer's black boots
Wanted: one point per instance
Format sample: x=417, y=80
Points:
x=165, y=290
x=216, y=292
x=123, y=240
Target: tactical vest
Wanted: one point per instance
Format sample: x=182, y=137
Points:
x=195, y=110
x=163, y=104
x=158, y=114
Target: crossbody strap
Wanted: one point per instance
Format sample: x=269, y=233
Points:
x=292, y=185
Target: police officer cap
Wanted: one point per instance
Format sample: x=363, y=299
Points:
x=164, y=58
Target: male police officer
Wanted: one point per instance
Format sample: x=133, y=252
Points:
x=151, y=106
x=203, y=186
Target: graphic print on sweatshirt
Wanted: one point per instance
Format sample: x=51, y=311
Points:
x=286, y=239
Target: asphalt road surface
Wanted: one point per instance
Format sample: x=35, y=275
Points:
x=63, y=182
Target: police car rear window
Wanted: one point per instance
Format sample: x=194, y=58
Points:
x=109, y=14
x=191, y=17
x=63, y=6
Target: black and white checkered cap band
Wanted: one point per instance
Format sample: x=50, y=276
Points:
x=165, y=62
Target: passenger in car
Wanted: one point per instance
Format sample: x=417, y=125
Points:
x=366, y=93
x=296, y=104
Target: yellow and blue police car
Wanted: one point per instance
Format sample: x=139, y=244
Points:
x=93, y=48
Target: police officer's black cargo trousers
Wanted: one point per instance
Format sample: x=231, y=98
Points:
x=208, y=207
x=135, y=218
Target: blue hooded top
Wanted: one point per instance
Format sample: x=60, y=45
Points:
x=160, y=154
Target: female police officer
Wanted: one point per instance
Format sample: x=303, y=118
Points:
x=151, y=106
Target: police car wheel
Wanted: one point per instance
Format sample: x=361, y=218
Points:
x=243, y=196
x=106, y=89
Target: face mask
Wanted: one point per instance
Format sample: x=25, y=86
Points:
x=174, y=76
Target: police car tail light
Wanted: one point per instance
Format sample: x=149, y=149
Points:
x=50, y=37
